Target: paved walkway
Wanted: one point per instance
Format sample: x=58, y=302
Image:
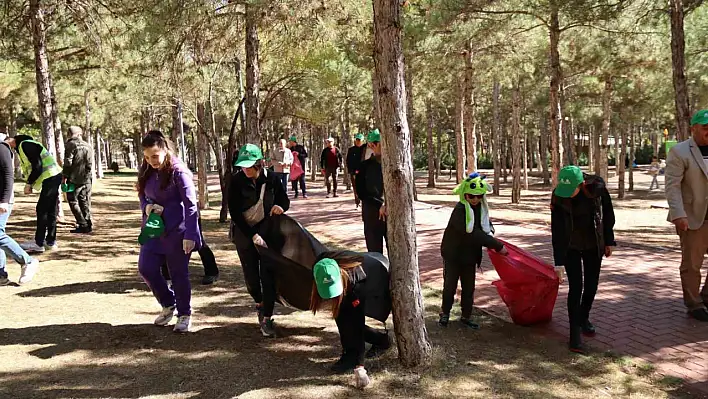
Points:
x=638, y=310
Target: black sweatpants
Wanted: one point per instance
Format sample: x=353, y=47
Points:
x=80, y=204
x=260, y=282
x=46, y=232
x=374, y=229
x=353, y=331
x=331, y=172
x=466, y=274
x=581, y=294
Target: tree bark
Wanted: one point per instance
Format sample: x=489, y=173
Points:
x=58, y=135
x=525, y=167
x=346, y=137
x=460, y=134
x=631, y=159
x=41, y=63
x=202, y=142
x=678, y=63
x=621, y=158
x=592, y=140
x=99, y=154
x=253, y=76
x=556, y=79
x=438, y=154
x=543, y=150
x=408, y=307
x=431, y=148
x=496, y=136
x=516, y=146
x=217, y=148
x=375, y=99
x=470, y=112
x=602, y=168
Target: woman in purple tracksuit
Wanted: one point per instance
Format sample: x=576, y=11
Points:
x=166, y=187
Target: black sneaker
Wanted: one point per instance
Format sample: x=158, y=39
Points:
x=699, y=314
x=209, y=280
x=4, y=280
x=469, y=323
x=335, y=195
x=268, y=328
x=576, y=342
x=81, y=230
x=295, y=196
x=343, y=365
x=588, y=329
x=444, y=320
x=377, y=350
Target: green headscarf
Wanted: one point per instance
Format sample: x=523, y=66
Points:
x=474, y=185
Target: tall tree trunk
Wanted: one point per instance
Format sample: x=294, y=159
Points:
x=176, y=120
x=58, y=135
x=631, y=159
x=408, y=307
x=678, y=63
x=230, y=150
x=470, y=111
x=602, y=168
x=99, y=154
x=556, y=79
x=215, y=141
x=526, y=162
x=516, y=146
x=460, y=134
x=592, y=140
x=202, y=143
x=346, y=136
x=253, y=76
x=375, y=99
x=431, y=148
x=438, y=154
x=543, y=150
x=621, y=158
x=505, y=150
x=89, y=135
x=496, y=136
x=41, y=64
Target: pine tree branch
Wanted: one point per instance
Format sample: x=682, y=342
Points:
x=513, y=12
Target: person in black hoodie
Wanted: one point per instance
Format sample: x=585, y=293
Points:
x=255, y=195
x=370, y=189
x=354, y=159
x=330, y=161
x=582, y=222
x=468, y=230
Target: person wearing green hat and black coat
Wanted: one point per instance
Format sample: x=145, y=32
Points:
x=370, y=189
x=354, y=158
x=254, y=196
x=582, y=223
x=468, y=230
x=354, y=286
x=295, y=147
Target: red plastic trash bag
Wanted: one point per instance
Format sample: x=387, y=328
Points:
x=528, y=285
x=296, y=169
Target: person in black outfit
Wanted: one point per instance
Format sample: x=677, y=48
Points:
x=582, y=222
x=330, y=161
x=302, y=157
x=468, y=230
x=354, y=158
x=77, y=171
x=254, y=196
x=370, y=189
x=211, y=270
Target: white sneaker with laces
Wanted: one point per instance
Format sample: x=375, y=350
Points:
x=361, y=379
x=32, y=247
x=183, y=324
x=28, y=271
x=165, y=316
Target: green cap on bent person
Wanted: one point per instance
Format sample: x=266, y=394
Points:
x=248, y=155
x=569, y=178
x=700, y=118
x=359, y=136
x=154, y=227
x=293, y=139
x=374, y=136
x=328, y=278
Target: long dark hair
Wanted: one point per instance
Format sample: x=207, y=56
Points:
x=567, y=202
x=152, y=139
x=347, y=261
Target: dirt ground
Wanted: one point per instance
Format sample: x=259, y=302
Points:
x=82, y=329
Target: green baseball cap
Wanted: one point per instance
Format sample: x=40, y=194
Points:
x=374, y=136
x=359, y=136
x=569, y=178
x=293, y=138
x=154, y=227
x=700, y=118
x=328, y=278
x=248, y=155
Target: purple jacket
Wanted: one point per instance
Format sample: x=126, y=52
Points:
x=180, y=202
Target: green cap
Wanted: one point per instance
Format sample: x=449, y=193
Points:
x=359, y=136
x=154, y=227
x=293, y=138
x=328, y=278
x=374, y=136
x=569, y=178
x=248, y=155
x=700, y=118
x=68, y=187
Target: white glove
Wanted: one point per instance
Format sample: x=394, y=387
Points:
x=258, y=240
x=560, y=272
x=150, y=208
x=361, y=379
x=188, y=246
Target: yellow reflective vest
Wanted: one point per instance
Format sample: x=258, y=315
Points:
x=50, y=168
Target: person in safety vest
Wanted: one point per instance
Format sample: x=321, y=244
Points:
x=43, y=174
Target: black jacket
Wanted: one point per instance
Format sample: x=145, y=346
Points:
x=301, y=154
x=33, y=152
x=603, y=219
x=244, y=193
x=354, y=155
x=369, y=182
x=77, y=161
x=459, y=246
x=7, y=173
x=323, y=157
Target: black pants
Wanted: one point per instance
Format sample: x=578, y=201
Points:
x=300, y=180
x=260, y=282
x=354, y=333
x=581, y=296
x=331, y=172
x=465, y=273
x=80, y=204
x=374, y=229
x=46, y=232
x=208, y=261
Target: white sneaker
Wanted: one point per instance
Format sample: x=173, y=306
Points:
x=361, y=379
x=32, y=247
x=165, y=316
x=183, y=324
x=52, y=247
x=28, y=271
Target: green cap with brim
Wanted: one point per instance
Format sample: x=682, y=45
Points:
x=569, y=178
x=359, y=136
x=293, y=138
x=154, y=227
x=328, y=278
x=374, y=136
x=248, y=155
x=700, y=118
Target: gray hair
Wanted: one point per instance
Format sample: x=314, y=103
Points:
x=75, y=131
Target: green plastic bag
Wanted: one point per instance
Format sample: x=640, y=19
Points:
x=154, y=227
x=68, y=187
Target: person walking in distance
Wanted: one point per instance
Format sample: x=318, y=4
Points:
x=355, y=155
x=77, y=171
x=582, y=223
x=43, y=175
x=8, y=246
x=654, y=173
x=370, y=188
x=302, y=157
x=166, y=188
x=282, y=159
x=687, y=194
x=330, y=161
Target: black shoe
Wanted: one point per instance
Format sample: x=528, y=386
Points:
x=81, y=230
x=469, y=323
x=268, y=328
x=343, y=365
x=444, y=320
x=295, y=196
x=209, y=280
x=576, y=342
x=699, y=314
x=588, y=329
x=304, y=196
x=378, y=350
x=335, y=195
